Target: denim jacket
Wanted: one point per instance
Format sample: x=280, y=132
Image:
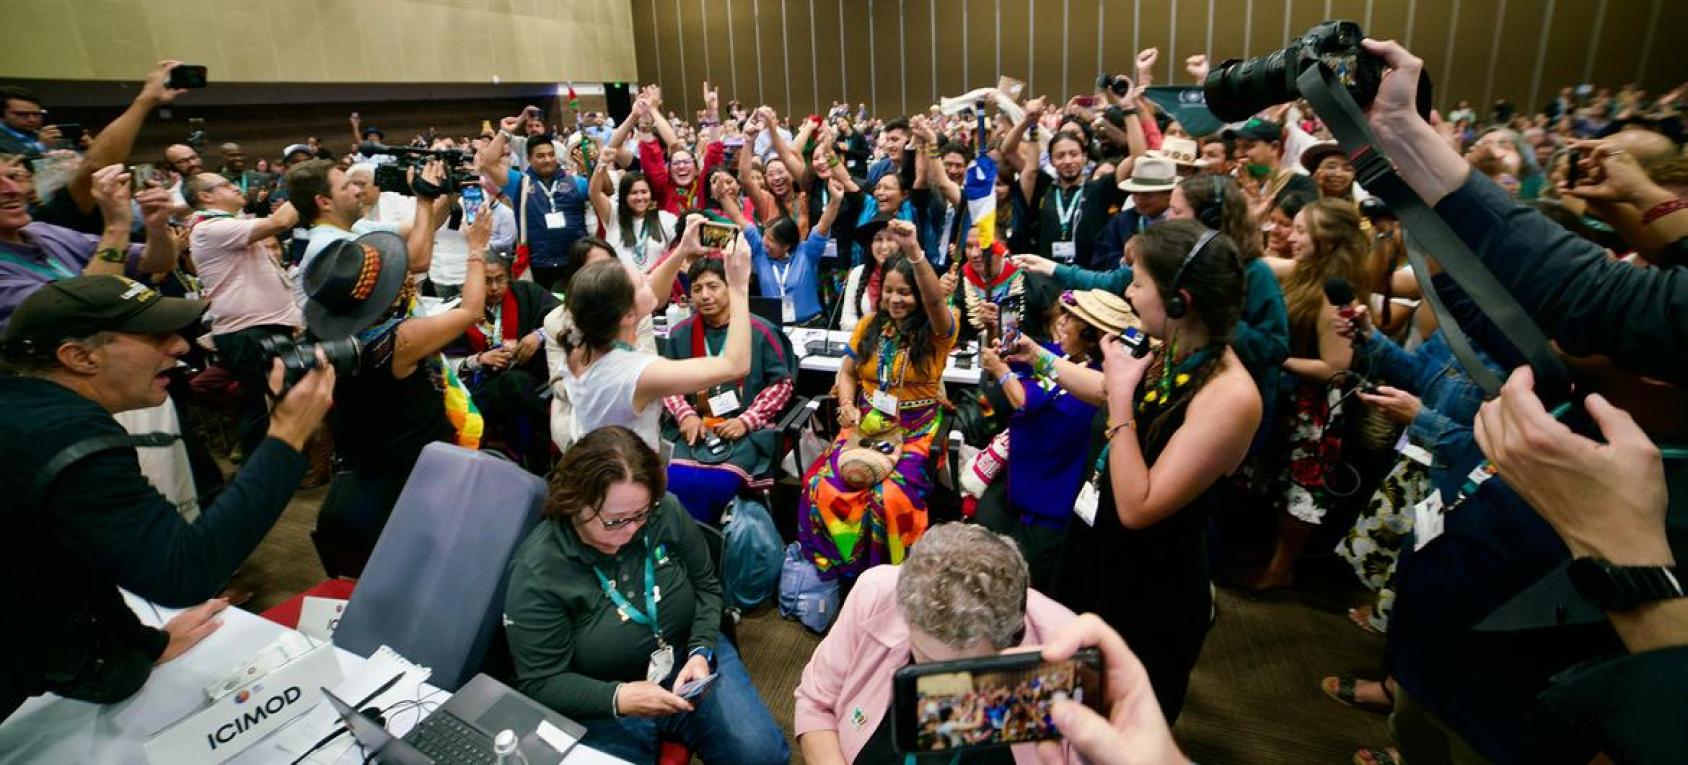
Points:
x=1450, y=400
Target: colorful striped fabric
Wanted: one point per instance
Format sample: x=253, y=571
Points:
x=845, y=531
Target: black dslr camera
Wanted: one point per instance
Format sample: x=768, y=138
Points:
x=1118, y=84
x=393, y=176
x=297, y=357
x=1237, y=89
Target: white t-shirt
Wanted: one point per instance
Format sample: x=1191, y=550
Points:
x=322, y=235
x=644, y=251
x=603, y=395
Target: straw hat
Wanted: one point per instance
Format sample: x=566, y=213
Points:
x=1151, y=173
x=1101, y=309
x=1182, y=151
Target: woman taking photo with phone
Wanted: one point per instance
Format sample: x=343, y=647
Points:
x=609, y=381
x=864, y=501
x=614, y=606
x=1179, y=418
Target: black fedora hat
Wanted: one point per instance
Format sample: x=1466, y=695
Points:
x=871, y=228
x=352, y=282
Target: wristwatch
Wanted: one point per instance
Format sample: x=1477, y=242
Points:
x=1621, y=588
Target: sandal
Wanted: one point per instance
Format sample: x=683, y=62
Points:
x=1341, y=688
x=1387, y=756
x=1361, y=617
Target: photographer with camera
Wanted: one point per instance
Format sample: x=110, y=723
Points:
x=81, y=519
x=330, y=201
x=402, y=395
x=1498, y=693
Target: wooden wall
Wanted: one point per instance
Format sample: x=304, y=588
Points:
x=899, y=56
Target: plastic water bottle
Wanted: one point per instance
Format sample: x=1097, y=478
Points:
x=504, y=746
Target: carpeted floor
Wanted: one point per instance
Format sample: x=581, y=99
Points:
x=1254, y=697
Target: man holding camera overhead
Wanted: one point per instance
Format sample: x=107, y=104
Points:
x=247, y=289
x=80, y=520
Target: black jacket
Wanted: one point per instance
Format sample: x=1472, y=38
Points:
x=99, y=526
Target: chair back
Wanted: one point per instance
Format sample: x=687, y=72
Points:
x=433, y=589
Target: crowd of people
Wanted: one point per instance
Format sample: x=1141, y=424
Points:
x=1205, y=358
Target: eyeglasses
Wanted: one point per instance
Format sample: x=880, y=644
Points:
x=616, y=523
x=27, y=115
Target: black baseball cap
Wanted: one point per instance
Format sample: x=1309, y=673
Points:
x=83, y=305
x=1256, y=129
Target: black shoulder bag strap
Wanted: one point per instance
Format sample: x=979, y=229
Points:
x=1377, y=175
x=80, y=450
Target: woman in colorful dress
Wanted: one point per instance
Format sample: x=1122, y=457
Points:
x=864, y=501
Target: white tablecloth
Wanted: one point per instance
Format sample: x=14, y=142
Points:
x=50, y=729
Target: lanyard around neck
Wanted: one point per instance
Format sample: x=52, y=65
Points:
x=624, y=607
x=48, y=267
x=1066, y=209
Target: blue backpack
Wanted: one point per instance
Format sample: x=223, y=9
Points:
x=750, y=566
x=804, y=596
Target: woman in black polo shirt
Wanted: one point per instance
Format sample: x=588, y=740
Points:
x=613, y=602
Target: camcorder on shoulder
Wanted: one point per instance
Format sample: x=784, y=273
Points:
x=1237, y=89
x=395, y=177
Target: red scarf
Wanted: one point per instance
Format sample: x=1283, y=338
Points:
x=506, y=324
x=976, y=280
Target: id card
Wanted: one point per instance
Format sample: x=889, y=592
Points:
x=831, y=250
x=788, y=310
x=1088, y=499
x=1406, y=448
x=1427, y=520
x=555, y=220
x=1063, y=252
x=884, y=402
x=662, y=663
x=724, y=403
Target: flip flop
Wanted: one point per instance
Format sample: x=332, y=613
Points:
x=1369, y=756
x=1341, y=689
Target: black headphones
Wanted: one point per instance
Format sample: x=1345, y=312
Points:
x=1176, y=305
x=1213, y=214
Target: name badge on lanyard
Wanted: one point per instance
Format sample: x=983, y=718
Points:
x=724, y=403
x=884, y=402
x=554, y=219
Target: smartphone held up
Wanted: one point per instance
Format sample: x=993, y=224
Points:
x=990, y=701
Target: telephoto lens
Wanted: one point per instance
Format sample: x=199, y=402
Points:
x=1238, y=89
x=297, y=358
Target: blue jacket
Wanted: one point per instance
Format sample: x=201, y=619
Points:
x=549, y=247
x=801, y=276
x=1449, y=397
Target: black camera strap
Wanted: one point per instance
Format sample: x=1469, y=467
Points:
x=1376, y=174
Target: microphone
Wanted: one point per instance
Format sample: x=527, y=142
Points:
x=1340, y=293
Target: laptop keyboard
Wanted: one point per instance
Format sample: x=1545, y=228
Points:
x=448, y=739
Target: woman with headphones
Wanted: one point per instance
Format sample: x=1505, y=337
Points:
x=1179, y=418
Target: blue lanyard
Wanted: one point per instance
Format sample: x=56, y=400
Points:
x=50, y=268
x=627, y=610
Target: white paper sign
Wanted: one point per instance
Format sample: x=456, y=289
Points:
x=318, y=617
x=241, y=719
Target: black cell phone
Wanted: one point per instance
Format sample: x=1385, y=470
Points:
x=186, y=76
x=1573, y=170
x=71, y=133
x=989, y=701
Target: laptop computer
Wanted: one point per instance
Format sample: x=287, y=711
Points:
x=462, y=729
x=770, y=308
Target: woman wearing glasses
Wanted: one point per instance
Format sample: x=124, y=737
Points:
x=614, y=604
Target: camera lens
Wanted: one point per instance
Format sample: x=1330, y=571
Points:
x=1238, y=89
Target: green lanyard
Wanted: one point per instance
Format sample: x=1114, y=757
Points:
x=49, y=267
x=626, y=609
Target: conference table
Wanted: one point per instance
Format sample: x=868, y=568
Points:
x=962, y=367
x=52, y=729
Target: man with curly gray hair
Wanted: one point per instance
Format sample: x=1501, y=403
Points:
x=963, y=592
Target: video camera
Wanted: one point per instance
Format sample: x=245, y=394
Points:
x=393, y=177
x=1237, y=89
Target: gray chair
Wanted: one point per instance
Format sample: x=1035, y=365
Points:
x=434, y=586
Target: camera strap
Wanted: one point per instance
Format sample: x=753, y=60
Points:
x=87, y=447
x=1377, y=175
